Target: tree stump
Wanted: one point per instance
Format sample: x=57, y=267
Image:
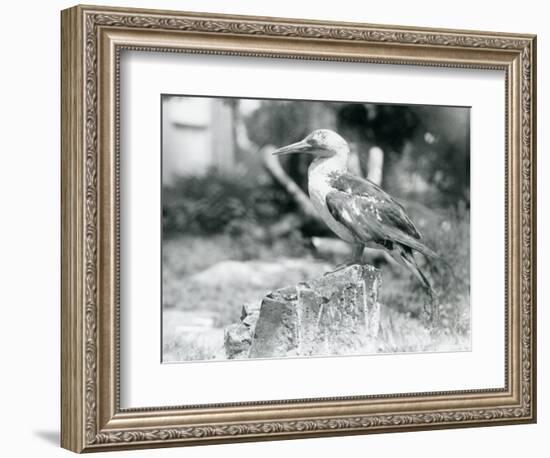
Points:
x=336, y=314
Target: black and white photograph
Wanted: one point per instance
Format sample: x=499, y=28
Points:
x=301, y=228
x=283, y=224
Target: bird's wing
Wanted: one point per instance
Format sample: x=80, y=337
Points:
x=375, y=217
x=370, y=196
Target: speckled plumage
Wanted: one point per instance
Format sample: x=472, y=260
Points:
x=371, y=213
x=354, y=208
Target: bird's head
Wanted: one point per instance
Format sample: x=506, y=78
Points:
x=320, y=143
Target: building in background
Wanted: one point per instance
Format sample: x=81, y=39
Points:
x=197, y=134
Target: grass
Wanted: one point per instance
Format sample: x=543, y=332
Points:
x=175, y=350
x=184, y=258
x=217, y=275
x=189, y=254
x=448, y=235
x=222, y=292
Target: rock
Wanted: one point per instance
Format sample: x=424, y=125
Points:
x=237, y=339
x=337, y=313
x=249, y=313
x=277, y=326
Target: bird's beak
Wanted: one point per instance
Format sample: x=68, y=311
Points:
x=298, y=147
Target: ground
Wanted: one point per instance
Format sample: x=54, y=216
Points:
x=207, y=280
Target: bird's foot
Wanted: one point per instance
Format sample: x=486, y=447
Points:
x=342, y=266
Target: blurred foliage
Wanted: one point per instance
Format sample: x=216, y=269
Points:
x=220, y=202
x=432, y=140
x=279, y=122
x=387, y=126
x=244, y=215
x=427, y=159
x=442, y=151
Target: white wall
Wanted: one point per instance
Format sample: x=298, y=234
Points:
x=29, y=241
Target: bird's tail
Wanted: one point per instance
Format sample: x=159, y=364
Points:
x=410, y=262
x=417, y=245
x=431, y=309
x=435, y=256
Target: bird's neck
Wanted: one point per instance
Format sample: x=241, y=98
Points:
x=326, y=166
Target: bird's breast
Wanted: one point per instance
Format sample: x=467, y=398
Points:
x=318, y=188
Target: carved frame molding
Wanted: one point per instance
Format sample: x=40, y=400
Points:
x=92, y=39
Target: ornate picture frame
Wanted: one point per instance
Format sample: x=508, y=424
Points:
x=92, y=41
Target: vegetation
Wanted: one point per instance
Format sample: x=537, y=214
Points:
x=403, y=299
x=448, y=235
x=243, y=215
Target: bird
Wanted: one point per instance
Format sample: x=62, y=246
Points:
x=357, y=210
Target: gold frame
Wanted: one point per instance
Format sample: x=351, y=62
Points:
x=92, y=38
